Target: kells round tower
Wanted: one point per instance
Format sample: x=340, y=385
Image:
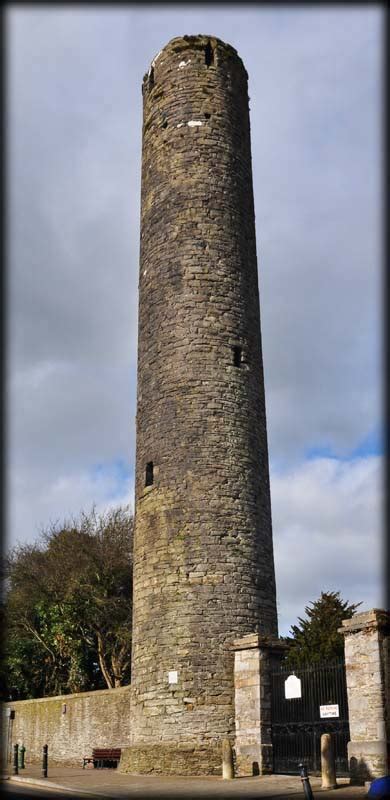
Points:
x=203, y=555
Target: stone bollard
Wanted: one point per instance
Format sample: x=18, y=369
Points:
x=227, y=760
x=328, y=764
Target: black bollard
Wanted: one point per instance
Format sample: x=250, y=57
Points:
x=22, y=751
x=306, y=782
x=44, y=761
x=16, y=757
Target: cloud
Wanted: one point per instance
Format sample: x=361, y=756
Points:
x=65, y=496
x=326, y=515
x=74, y=161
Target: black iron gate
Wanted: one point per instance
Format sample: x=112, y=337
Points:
x=299, y=722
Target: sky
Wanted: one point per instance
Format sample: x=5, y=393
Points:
x=73, y=175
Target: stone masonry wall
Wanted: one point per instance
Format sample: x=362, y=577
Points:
x=203, y=555
x=247, y=708
x=255, y=658
x=181, y=758
x=366, y=659
x=92, y=719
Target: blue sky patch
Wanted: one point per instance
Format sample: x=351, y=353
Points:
x=371, y=445
x=117, y=474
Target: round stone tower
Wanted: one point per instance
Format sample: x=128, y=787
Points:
x=203, y=555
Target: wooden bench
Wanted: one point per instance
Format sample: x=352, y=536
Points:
x=103, y=757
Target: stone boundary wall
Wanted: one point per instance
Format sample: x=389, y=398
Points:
x=71, y=725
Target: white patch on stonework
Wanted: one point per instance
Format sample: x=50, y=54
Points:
x=155, y=58
x=184, y=63
x=193, y=122
x=145, y=271
x=180, y=125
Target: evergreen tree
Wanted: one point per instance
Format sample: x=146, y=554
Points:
x=316, y=638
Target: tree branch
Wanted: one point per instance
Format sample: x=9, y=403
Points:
x=35, y=633
x=102, y=661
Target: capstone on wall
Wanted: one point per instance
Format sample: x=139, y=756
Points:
x=203, y=553
x=71, y=725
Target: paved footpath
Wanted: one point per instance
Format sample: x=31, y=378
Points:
x=111, y=784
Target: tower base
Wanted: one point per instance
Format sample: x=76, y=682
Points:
x=162, y=758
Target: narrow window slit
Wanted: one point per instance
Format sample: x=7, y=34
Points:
x=208, y=55
x=237, y=356
x=149, y=474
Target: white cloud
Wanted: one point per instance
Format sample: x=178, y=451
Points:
x=326, y=518
x=62, y=497
x=74, y=137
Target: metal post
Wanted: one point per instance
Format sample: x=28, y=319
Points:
x=306, y=782
x=44, y=761
x=15, y=764
x=22, y=751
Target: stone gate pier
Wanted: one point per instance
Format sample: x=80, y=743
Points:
x=255, y=657
x=367, y=668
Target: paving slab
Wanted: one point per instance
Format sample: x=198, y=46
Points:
x=109, y=783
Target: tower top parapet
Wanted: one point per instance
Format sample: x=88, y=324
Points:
x=210, y=49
